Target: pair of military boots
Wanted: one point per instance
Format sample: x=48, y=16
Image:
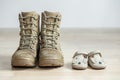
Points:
x=38, y=46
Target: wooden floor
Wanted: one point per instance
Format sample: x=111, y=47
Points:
x=84, y=40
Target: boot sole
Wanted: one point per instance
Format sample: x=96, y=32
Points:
x=51, y=63
x=22, y=63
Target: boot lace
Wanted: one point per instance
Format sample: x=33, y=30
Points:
x=28, y=32
x=50, y=39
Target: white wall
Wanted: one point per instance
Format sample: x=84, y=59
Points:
x=76, y=13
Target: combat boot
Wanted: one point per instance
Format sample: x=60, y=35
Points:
x=25, y=55
x=50, y=52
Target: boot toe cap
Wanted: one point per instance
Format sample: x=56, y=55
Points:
x=23, y=58
x=50, y=54
x=50, y=57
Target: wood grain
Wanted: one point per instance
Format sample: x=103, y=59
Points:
x=84, y=40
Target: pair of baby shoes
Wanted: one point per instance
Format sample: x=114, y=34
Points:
x=93, y=59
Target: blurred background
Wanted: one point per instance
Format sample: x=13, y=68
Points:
x=75, y=13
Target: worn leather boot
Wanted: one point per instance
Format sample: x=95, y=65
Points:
x=50, y=53
x=25, y=55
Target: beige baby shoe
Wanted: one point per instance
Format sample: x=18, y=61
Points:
x=95, y=60
x=80, y=61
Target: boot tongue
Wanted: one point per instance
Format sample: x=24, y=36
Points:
x=24, y=14
x=51, y=13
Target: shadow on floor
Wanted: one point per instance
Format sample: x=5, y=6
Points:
x=5, y=64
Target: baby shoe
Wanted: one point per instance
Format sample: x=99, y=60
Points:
x=80, y=61
x=95, y=60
